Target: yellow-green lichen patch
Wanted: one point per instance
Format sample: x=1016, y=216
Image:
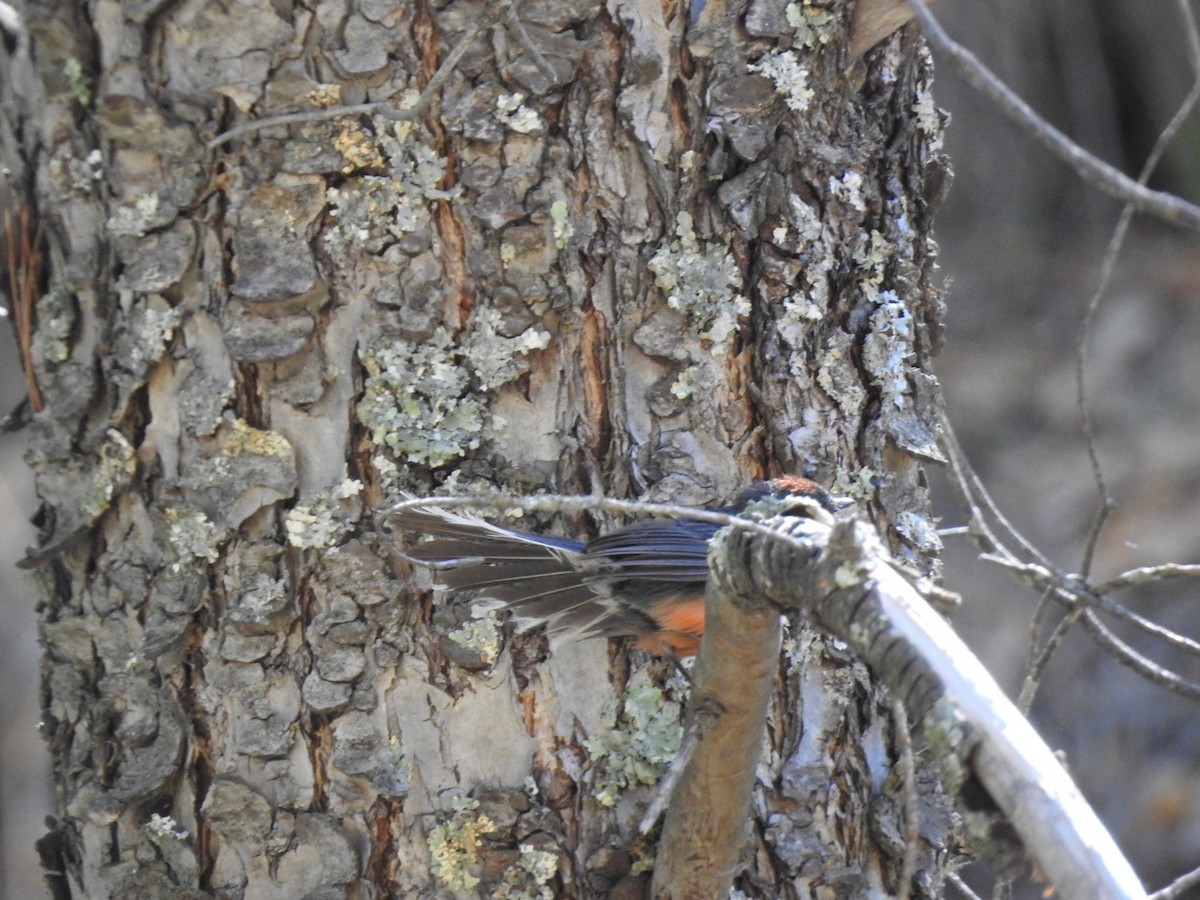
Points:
x=700, y=280
x=321, y=520
x=55, y=318
x=812, y=24
x=454, y=845
x=481, y=634
x=563, y=230
x=116, y=466
x=373, y=210
x=244, y=438
x=191, y=535
x=640, y=745
x=416, y=402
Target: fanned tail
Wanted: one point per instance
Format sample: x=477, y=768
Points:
x=543, y=580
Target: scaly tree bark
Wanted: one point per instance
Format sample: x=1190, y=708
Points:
x=648, y=250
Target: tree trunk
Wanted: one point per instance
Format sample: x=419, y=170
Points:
x=697, y=255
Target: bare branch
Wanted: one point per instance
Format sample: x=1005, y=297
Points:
x=1147, y=575
x=1068, y=588
x=980, y=504
x=908, y=788
x=845, y=583
x=705, y=827
x=1109, y=179
x=1071, y=590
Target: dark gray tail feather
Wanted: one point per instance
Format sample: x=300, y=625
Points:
x=543, y=580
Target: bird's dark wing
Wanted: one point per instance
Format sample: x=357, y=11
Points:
x=660, y=550
x=544, y=580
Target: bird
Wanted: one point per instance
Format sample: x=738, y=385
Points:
x=643, y=581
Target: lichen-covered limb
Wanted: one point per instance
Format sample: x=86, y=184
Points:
x=705, y=826
x=842, y=579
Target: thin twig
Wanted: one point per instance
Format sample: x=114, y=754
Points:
x=514, y=23
x=490, y=16
x=1072, y=590
x=1041, y=659
x=1032, y=679
x=1099, y=173
x=1131, y=659
x=959, y=885
x=1147, y=575
x=974, y=485
x=692, y=736
x=1115, y=243
x=1178, y=886
x=1049, y=576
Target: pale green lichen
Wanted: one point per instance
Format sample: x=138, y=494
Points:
x=639, y=746
x=136, y=219
x=454, y=845
x=78, y=81
x=872, y=258
x=151, y=329
x=320, y=521
x=848, y=189
x=888, y=347
x=415, y=401
x=164, y=826
x=192, y=535
x=561, y=224
x=373, y=210
x=701, y=281
x=493, y=357
x=688, y=382
x=480, y=634
x=261, y=599
x=812, y=25
x=859, y=484
x=789, y=76
x=918, y=531
x=84, y=173
x=117, y=464
x=55, y=318
x=529, y=877
x=796, y=321
x=399, y=756
x=945, y=732
x=512, y=112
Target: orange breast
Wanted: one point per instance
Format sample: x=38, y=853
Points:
x=680, y=624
